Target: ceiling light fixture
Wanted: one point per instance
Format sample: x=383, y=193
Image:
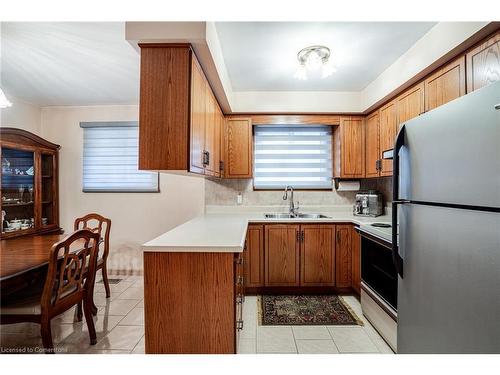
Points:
x=314, y=58
x=4, y=102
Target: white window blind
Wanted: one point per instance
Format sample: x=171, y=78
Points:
x=299, y=156
x=110, y=159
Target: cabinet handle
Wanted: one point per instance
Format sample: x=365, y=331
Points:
x=239, y=324
x=297, y=233
x=221, y=166
x=303, y=237
x=239, y=280
x=206, y=157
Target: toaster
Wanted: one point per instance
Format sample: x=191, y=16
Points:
x=369, y=203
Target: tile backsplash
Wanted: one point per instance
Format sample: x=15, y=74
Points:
x=224, y=192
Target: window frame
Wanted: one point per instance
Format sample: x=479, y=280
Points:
x=111, y=124
x=288, y=125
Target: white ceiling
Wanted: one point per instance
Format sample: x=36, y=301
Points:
x=91, y=63
x=58, y=63
x=261, y=56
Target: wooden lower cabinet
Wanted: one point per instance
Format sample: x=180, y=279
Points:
x=254, y=256
x=282, y=257
x=190, y=302
x=317, y=255
x=301, y=255
x=356, y=261
x=343, y=256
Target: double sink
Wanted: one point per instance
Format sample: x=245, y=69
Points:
x=297, y=216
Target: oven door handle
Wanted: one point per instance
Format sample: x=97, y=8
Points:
x=396, y=258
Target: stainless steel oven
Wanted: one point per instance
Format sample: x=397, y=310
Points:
x=379, y=284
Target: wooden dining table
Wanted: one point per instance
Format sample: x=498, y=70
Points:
x=24, y=261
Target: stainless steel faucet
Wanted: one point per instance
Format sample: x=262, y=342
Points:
x=292, y=209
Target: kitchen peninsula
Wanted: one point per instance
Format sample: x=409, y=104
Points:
x=207, y=264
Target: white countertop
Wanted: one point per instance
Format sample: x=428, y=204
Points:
x=226, y=232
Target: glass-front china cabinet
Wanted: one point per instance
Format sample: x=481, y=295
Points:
x=29, y=184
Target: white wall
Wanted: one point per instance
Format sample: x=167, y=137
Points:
x=21, y=115
x=136, y=217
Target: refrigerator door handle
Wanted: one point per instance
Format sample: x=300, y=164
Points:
x=396, y=258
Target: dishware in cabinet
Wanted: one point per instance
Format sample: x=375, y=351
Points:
x=29, y=191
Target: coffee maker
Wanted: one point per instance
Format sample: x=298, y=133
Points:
x=369, y=203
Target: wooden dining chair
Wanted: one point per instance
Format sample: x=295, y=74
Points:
x=70, y=281
x=98, y=224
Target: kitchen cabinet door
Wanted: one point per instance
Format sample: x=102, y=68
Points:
x=446, y=84
x=210, y=132
x=372, y=147
x=388, y=126
x=356, y=260
x=282, y=255
x=198, y=117
x=219, y=123
x=254, y=256
x=239, y=147
x=317, y=255
x=164, y=107
x=349, y=148
x=343, y=269
x=483, y=63
x=410, y=104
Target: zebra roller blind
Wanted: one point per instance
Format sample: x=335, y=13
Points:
x=300, y=156
x=110, y=158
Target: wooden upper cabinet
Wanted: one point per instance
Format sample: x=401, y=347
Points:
x=254, y=256
x=356, y=260
x=217, y=150
x=343, y=272
x=388, y=127
x=317, y=255
x=282, y=267
x=198, y=112
x=410, y=104
x=372, y=146
x=239, y=155
x=446, y=84
x=164, y=106
x=483, y=63
x=179, y=128
x=349, y=148
x=211, y=141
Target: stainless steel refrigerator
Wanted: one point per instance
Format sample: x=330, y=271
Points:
x=446, y=197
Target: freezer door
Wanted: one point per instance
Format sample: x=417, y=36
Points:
x=452, y=153
x=449, y=298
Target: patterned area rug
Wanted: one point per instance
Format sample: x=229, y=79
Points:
x=306, y=310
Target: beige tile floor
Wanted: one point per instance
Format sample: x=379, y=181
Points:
x=257, y=339
x=120, y=330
